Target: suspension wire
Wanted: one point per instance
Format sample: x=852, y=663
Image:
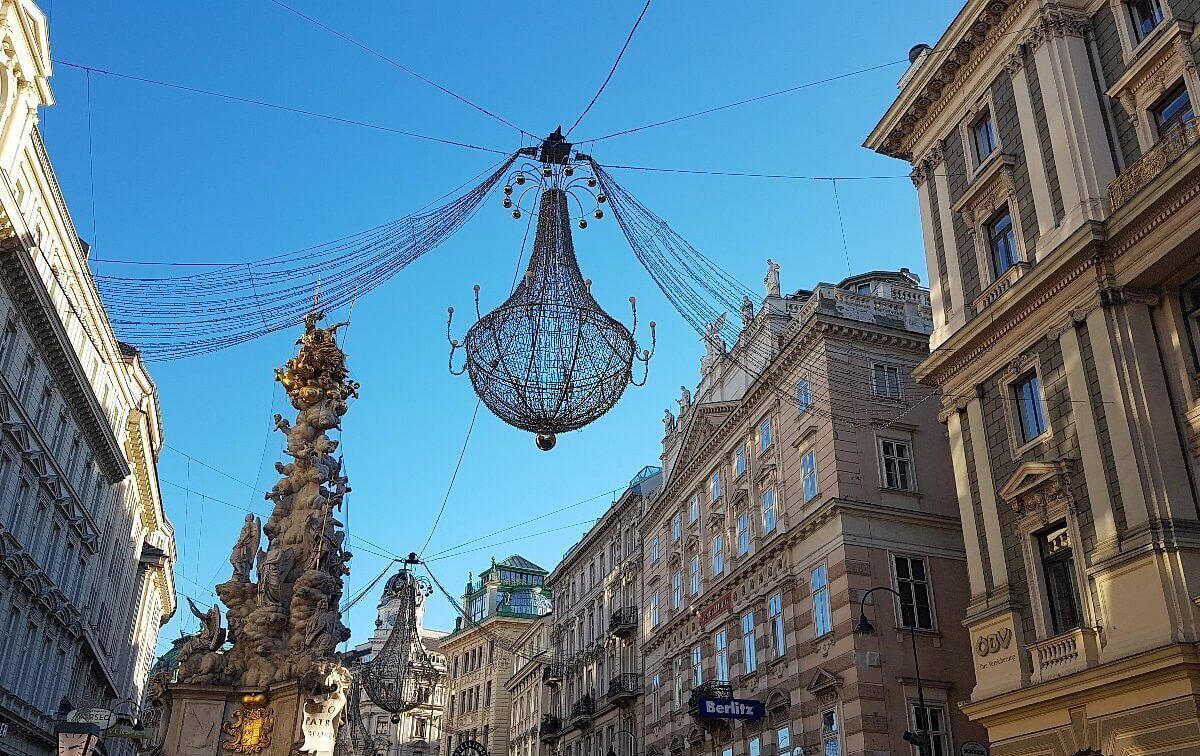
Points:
x=837, y=203
x=274, y=106
x=399, y=65
x=453, y=475
x=91, y=160
x=612, y=70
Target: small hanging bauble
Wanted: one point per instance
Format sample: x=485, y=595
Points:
x=546, y=441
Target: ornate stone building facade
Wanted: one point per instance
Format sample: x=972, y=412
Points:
x=783, y=502
x=500, y=606
x=86, y=552
x=1053, y=150
x=526, y=690
x=419, y=731
x=594, y=677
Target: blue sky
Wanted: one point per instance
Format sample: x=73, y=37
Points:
x=183, y=177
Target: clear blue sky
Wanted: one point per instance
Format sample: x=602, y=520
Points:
x=184, y=177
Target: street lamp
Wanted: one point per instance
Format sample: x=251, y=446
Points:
x=633, y=739
x=864, y=627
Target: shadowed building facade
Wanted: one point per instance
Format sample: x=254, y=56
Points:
x=1053, y=153
x=785, y=498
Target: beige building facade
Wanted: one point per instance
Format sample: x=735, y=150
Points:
x=86, y=551
x=526, y=690
x=498, y=608
x=805, y=472
x=594, y=677
x=1053, y=152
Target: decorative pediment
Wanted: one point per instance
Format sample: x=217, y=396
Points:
x=692, y=542
x=716, y=521
x=701, y=424
x=823, y=682
x=988, y=191
x=1038, y=487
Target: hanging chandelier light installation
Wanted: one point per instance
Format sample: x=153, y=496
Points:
x=402, y=675
x=550, y=359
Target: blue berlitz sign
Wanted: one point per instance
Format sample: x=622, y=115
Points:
x=731, y=708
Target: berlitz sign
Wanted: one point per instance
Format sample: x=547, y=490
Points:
x=731, y=708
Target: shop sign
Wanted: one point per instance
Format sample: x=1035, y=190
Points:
x=718, y=607
x=731, y=708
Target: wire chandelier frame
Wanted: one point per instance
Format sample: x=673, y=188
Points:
x=550, y=359
x=402, y=675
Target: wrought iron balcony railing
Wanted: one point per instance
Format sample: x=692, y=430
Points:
x=583, y=711
x=1156, y=160
x=709, y=689
x=624, y=622
x=552, y=674
x=624, y=686
x=551, y=728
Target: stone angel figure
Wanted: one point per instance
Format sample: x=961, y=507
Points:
x=685, y=400
x=245, y=550
x=668, y=422
x=712, y=336
x=747, y=311
x=772, y=279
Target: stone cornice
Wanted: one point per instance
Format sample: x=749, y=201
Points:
x=29, y=293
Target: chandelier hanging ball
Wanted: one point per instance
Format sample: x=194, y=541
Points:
x=550, y=359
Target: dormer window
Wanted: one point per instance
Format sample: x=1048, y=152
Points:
x=983, y=137
x=1145, y=14
x=862, y=288
x=1172, y=111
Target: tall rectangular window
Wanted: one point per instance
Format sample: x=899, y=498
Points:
x=803, y=394
x=694, y=509
x=1002, y=242
x=697, y=666
x=694, y=570
x=721, y=642
x=743, y=534
x=808, y=471
x=831, y=741
x=677, y=683
x=749, y=653
x=739, y=460
x=912, y=583
x=654, y=549
x=983, y=137
x=1027, y=399
x=655, y=686
x=897, y=462
x=932, y=721
x=754, y=748
x=676, y=527
x=768, y=510
x=676, y=589
x=886, y=381
x=718, y=555
x=1145, y=14
x=1058, y=573
x=775, y=623
x=764, y=434
x=783, y=740
x=822, y=619
x=655, y=615
x=1172, y=110
x=714, y=485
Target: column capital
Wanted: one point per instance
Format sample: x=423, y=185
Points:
x=1053, y=21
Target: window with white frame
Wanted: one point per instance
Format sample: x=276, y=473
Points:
x=697, y=666
x=886, y=380
x=775, y=623
x=694, y=570
x=822, y=618
x=727, y=751
x=897, y=461
x=1145, y=15
x=831, y=740
x=676, y=527
x=743, y=534
x=749, y=652
x=912, y=583
x=654, y=549
x=931, y=721
x=983, y=137
x=721, y=643
x=655, y=615
x=718, y=555
x=1001, y=241
x=739, y=461
x=783, y=740
x=768, y=510
x=714, y=485
x=677, y=683
x=808, y=472
x=1026, y=394
x=754, y=747
x=655, y=687
x=765, y=438
x=803, y=394
x=676, y=589
x=694, y=509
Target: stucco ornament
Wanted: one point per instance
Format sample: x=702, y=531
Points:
x=249, y=727
x=285, y=624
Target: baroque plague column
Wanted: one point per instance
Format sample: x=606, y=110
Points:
x=280, y=683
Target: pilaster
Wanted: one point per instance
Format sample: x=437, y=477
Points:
x=966, y=507
x=920, y=176
x=1035, y=164
x=987, y=494
x=955, y=310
